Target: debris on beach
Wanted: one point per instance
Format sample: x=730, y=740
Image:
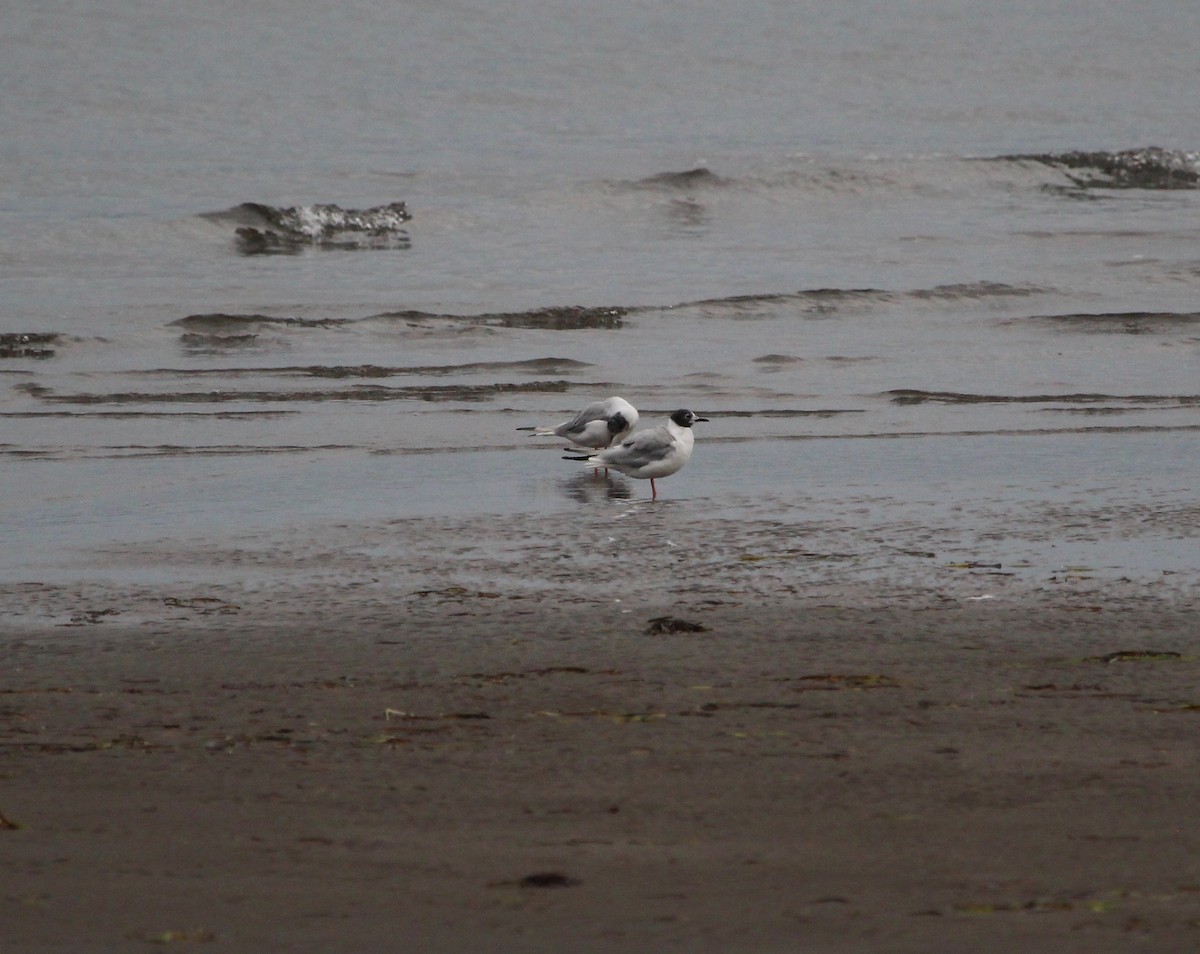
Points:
x=506, y=676
x=457, y=594
x=619, y=718
x=539, y=879
x=389, y=714
x=204, y=605
x=179, y=937
x=548, y=879
x=834, y=681
x=91, y=617
x=669, y=624
x=1135, y=655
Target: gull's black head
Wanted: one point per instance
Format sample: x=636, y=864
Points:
x=617, y=423
x=685, y=418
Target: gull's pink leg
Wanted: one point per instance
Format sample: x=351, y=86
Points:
x=653, y=490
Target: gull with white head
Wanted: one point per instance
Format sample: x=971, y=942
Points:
x=600, y=424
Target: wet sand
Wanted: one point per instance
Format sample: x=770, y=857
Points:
x=857, y=767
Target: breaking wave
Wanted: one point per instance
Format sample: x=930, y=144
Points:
x=565, y=318
x=233, y=330
x=1121, y=322
x=524, y=366
x=219, y=323
x=917, y=396
x=223, y=331
x=28, y=345
x=828, y=299
x=699, y=177
x=364, y=392
x=266, y=229
x=1073, y=171
x=1150, y=167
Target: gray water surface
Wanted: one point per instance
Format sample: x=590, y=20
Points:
x=943, y=258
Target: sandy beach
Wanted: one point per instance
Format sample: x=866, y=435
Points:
x=452, y=768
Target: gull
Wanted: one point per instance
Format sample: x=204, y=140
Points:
x=652, y=453
x=597, y=425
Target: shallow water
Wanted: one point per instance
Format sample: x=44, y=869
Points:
x=934, y=295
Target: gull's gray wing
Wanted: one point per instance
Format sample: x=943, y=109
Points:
x=596, y=411
x=644, y=448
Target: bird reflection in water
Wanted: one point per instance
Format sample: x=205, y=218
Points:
x=590, y=488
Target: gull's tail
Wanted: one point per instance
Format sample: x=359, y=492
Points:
x=538, y=431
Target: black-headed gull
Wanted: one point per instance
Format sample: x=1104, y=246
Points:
x=652, y=453
x=600, y=424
